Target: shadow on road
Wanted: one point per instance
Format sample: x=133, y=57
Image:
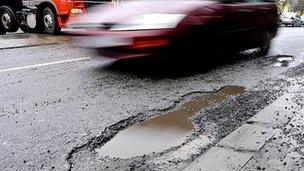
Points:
x=176, y=68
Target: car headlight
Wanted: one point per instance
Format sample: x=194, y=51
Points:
x=150, y=21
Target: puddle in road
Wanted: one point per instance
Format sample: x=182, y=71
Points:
x=162, y=132
x=283, y=61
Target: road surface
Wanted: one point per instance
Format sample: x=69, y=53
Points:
x=63, y=108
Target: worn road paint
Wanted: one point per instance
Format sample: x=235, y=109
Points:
x=44, y=64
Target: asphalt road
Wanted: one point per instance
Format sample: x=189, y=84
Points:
x=58, y=103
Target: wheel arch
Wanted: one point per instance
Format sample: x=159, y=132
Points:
x=41, y=7
x=47, y=3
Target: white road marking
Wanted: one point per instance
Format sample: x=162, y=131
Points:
x=44, y=64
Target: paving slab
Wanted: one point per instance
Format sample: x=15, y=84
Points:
x=285, y=151
x=248, y=137
x=220, y=159
x=279, y=112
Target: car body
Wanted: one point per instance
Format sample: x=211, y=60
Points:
x=291, y=19
x=166, y=28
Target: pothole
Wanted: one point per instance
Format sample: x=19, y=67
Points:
x=165, y=131
x=283, y=61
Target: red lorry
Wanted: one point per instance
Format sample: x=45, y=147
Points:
x=43, y=16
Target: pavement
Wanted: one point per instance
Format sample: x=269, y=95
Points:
x=59, y=104
x=270, y=140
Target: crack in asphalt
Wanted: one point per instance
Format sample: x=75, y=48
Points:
x=236, y=149
x=263, y=123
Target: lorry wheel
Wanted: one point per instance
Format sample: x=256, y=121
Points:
x=48, y=21
x=8, y=20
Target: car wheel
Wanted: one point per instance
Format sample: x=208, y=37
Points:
x=48, y=21
x=265, y=44
x=8, y=20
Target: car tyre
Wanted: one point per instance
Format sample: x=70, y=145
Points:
x=2, y=31
x=47, y=21
x=8, y=20
x=265, y=45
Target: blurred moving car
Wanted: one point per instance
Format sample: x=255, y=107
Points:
x=158, y=29
x=291, y=19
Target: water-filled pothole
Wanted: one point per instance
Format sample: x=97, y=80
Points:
x=165, y=131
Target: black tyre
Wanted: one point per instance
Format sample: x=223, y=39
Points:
x=48, y=21
x=265, y=44
x=263, y=51
x=2, y=31
x=8, y=20
x=27, y=29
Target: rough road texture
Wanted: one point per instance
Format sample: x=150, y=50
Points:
x=52, y=117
